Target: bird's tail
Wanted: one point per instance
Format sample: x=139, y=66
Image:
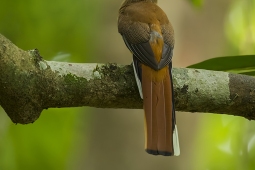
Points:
x=160, y=124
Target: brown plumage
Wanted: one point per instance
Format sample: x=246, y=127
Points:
x=149, y=35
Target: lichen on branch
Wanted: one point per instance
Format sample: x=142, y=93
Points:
x=29, y=84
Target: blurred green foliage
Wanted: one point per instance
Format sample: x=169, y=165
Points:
x=240, y=26
x=197, y=3
x=228, y=142
x=64, y=30
x=51, y=26
x=43, y=145
x=61, y=30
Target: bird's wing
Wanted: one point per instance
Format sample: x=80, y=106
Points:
x=140, y=46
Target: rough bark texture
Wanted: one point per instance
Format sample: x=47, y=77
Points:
x=29, y=84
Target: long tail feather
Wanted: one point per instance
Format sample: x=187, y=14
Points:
x=161, y=131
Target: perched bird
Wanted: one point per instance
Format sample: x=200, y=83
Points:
x=149, y=35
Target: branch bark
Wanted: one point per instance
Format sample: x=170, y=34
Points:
x=29, y=84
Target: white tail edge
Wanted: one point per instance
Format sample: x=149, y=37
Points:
x=138, y=82
x=176, y=142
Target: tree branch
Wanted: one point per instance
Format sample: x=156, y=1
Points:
x=29, y=84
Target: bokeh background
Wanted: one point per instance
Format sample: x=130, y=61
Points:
x=96, y=139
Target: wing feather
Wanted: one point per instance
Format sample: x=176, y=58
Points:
x=143, y=52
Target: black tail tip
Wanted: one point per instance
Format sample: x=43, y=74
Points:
x=156, y=152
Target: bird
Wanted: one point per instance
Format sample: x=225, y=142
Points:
x=149, y=36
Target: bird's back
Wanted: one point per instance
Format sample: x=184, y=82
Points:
x=135, y=20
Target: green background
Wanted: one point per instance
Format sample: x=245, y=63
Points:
x=86, y=138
